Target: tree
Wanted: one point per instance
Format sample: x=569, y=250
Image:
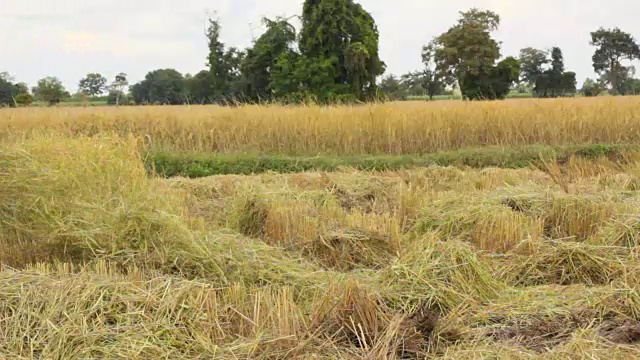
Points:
x=289, y=77
x=6, y=77
x=435, y=78
x=467, y=48
x=342, y=35
x=262, y=59
x=51, y=90
x=392, y=88
x=592, y=88
x=22, y=88
x=633, y=87
x=117, y=86
x=550, y=78
x=235, y=84
x=162, y=86
x=612, y=47
x=469, y=53
x=492, y=82
x=10, y=92
x=215, y=60
x=224, y=67
x=93, y=84
x=532, y=62
x=7, y=92
x=198, y=87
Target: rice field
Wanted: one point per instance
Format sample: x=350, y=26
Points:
x=102, y=259
x=390, y=129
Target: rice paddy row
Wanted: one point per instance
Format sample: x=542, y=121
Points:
x=406, y=128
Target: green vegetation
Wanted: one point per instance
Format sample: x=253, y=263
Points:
x=202, y=165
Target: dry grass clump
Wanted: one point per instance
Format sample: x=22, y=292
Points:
x=83, y=198
x=589, y=343
x=356, y=317
x=72, y=313
x=577, y=217
x=623, y=231
x=368, y=196
x=391, y=128
x=349, y=249
x=440, y=274
x=564, y=263
x=311, y=223
x=484, y=221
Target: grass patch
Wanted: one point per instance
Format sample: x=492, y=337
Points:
x=194, y=165
x=440, y=275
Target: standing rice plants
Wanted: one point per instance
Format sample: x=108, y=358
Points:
x=392, y=128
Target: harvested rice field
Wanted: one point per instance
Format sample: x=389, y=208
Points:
x=103, y=259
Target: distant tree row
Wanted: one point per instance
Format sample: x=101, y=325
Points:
x=334, y=58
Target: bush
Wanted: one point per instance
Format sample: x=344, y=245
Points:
x=24, y=99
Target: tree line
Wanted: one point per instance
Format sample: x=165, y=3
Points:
x=334, y=57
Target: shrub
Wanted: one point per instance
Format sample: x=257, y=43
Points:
x=24, y=99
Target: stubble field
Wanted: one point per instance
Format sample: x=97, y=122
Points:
x=410, y=231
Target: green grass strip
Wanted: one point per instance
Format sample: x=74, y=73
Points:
x=166, y=164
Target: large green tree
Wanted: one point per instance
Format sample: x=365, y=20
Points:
x=51, y=90
x=532, y=63
x=469, y=53
x=93, y=84
x=613, y=46
x=199, y=87
x=342, y=35
x=162, y=86
x=554, y=81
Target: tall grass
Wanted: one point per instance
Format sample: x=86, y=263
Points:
x=391, y=128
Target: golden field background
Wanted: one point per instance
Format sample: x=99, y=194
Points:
x=392, y=128
x=101, y=260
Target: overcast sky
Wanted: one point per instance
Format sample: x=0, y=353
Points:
x=69, y=38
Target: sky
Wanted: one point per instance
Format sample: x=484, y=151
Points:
x=70, y=38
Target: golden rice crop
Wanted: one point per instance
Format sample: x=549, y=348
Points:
x=391, y=128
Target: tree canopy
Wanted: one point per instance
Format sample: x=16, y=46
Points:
x=50, y=90
x=93, y=84
x=468, y=53
x=342, y=39
x=547, y=75
x=613, y=46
